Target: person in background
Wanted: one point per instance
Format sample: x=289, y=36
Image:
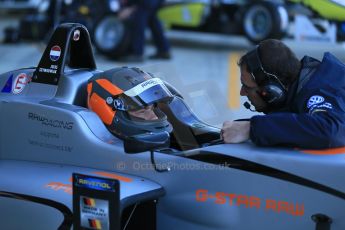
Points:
x=143, y=13
x=304, y=101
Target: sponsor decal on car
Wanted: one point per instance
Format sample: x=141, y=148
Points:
x=55, y=123
x=55, y=53
x=52, y=70
x=19, y=83
x=93, y=198
x=16, y=84
x=331, y=151
x=94, y=213
x=94, y=184
x=240, y=200
x=67, y=188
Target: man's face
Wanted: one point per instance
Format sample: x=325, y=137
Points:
x=251, y=89
x=146, y=113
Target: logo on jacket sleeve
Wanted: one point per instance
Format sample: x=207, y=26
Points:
x=314, y=100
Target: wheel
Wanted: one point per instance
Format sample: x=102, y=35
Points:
x=111, y=36
x=264, y=19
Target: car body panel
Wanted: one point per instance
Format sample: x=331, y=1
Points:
x=54, y=181
x=185, y=14
x=328, y=9
x=29, y=219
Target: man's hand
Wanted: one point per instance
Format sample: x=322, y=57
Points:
x=235, y=131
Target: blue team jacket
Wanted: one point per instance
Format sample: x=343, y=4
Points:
x=315, y=114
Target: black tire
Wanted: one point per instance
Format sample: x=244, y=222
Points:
x=111, y=36
x=264, y=19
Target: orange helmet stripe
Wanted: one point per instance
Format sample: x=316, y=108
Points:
x=98, y=105
x=89, y=88
x=108, y=86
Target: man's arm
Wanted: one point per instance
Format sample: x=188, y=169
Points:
x=322, y=125
x=319, y=129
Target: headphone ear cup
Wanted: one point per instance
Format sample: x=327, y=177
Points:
x=273, y=93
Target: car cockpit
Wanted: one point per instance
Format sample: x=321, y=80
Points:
x=68, y=63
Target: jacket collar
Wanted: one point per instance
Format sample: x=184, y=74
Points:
x=309, y=65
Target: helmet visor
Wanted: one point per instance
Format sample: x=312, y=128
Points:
x=146, y=93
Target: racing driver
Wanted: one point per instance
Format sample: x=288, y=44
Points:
x=126, y=101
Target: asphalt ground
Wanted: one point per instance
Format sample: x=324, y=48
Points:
x=203, y=68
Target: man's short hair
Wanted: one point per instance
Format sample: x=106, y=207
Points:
x=278, y=59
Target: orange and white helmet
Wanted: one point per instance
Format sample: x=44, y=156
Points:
x=113, y=94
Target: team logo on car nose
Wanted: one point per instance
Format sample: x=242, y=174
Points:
x=19, y=83
x=316, y=99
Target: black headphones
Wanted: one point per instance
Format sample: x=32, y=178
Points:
x=272, y=89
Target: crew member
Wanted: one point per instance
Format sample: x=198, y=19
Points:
x=304, y=101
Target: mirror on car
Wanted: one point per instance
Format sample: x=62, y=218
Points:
x=146, y=142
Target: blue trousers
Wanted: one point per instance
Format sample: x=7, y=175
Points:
x=147, y=16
